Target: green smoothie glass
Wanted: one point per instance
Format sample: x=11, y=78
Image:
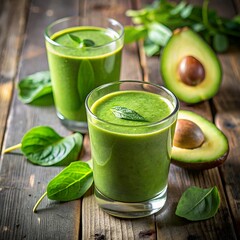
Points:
x=83, y=53
x=131, y=127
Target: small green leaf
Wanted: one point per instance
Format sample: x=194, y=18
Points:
x=134, y=33
x=178, y=8
x=75, y=38
x=86, y=79
x=186, y=12
x=127, y=114
x=151, y=49
x=220, y=42
x=88, y=43
x=198, y=204
x=159, y=34
x=43, y=146
x=71, y=183
x=36, y=89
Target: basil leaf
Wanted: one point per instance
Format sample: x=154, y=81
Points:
x=198, y=204
x=43, y=146
x=88, y=43
x=127, y=114
x=36, y=89
x=75, y=38
x=86, y=79
x=71, y=183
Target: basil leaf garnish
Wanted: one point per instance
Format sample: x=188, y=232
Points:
x=198, y=204
x=75, y=38
x=127, y=114
x=70, y=184
x=36, y=89
x=88, y=43
x=43, y=146
x=81, y=43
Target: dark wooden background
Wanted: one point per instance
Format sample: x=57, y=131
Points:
x=22, y=52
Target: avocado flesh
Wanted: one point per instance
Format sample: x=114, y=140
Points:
x=211, y=153
x=184, y=43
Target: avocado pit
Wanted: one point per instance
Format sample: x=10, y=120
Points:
x=191, y=71
x=188, y=135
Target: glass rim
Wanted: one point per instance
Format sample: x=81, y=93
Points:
x=111, y=20
x=152, y=124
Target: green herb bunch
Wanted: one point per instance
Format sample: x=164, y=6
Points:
x=156, y=23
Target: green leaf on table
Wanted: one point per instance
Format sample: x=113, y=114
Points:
x=179, y=7
x=36, y=89
x=220, y=42
x=134, y=33
x=186, y=12
x=70, y=184
x=86, y=79
x=127, y=114
x=159, y=34
x=43, y=146
x=151, y=48
x=198, y=204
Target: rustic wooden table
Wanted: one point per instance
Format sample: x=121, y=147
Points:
x=22, y=52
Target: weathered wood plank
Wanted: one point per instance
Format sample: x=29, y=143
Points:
x=21, y=182
x=228, y=120
x=12, y=24
x=97, y=224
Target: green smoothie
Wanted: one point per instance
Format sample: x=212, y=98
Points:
x=131, y=159
x=76, y=68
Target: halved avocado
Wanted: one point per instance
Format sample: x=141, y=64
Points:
x=193, y=151
x=190, y=68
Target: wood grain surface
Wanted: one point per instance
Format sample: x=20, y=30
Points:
x=22, y=52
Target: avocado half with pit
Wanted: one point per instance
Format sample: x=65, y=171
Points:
x=198, y=144
x=190, y=68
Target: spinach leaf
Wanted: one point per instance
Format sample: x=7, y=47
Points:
x=134, y=33
x=86, y=79
x=43, y=146
x=36, y=89
x=220, y=42
x=198, y=204
x=70, y=184
x=127, y=114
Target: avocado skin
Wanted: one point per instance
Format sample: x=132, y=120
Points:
x=211, y=154
x=185, y=42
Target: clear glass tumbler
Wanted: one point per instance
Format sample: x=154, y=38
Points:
x=131, y=157
x=83, y=53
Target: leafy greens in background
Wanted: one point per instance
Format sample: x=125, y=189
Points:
x=43, y=146
x=156, y=23
x=36, y=89
x=198, y=204
x=70, y=184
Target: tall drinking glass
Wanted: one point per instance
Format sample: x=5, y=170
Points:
x=83, y=53
x=131, y=127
